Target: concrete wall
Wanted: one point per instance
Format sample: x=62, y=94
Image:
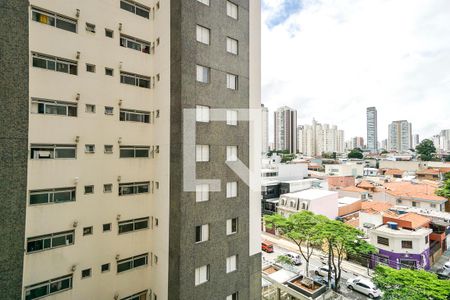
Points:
x=14, y=80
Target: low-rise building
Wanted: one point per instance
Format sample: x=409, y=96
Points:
x=347, y=169
x=338, y=182
x=434, y=174
x=318, y=201
x=348, y=205
x=353, y=191
x=401, y=247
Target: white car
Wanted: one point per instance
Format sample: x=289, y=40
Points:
x=323, y=271
x=446, y=266
x=295, y=258
x=364, y=286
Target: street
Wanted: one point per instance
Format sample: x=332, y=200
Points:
x=316, y=262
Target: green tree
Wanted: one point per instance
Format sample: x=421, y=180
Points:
x=426, y=150
x=341, y=240
x=287, y=157
x=444, y=191
x=410, y=284
x=283, y=259
x=355, y=153
x=302, y=228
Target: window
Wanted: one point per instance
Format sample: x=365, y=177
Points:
x=202, y=192
x=232, y=82
x=232, y=226
x=203, y=35
x=134, y=151
x=202, y=74
x=50, y=241
x=232, y=117
x=109, y=110
x=201, y=275
x=109, y=72
x=134, y=116
x=133, y=188
x=399, y=201
x=135, y=79
x=90, y=68
x=231, y=263
x=88, y=189
x=206, y=2
x=233, y=296
x=407, y=244
x=87, y=230
x=52, y=196
x=134, y=43
x=382, y=240
x=90, y=108
x=133, y=225
x=432, y=205
x=52, y=19
x=48, y=287
x=426, y=239
x=201, y=233
x=108, y=149
x=135, y=8
x=53, y=107
x=89, y=148
x=231, y=189
x=55, y=64
x=107, y=227
x=109, y=33
x=107, y=188
x=231, y=153
x=202, y=153
x=232, y=46
x=90, y=27
x=138, y=296
x=132, y=262
x=414, y=204
x=202, y=113
x=44, y=151
x=86, y=273
x=105, y=268
x=232, y=10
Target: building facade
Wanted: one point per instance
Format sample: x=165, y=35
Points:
x=285, y=129
x=445, y=140
x=372, y=129
x=96, y=150
x=400, y=136
x=265, y=128
x=415, y=140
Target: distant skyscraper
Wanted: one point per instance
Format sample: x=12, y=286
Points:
x=384, y=144
x=372, y=130
x=415, y=141
x=285, y=136
x=436, y=141
x=357, y=142
x=445, y=140
x=399, y=136
x=265, y=128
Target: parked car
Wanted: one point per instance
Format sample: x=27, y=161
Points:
x=324, y=281
x=364, y=286
x=443, y=273
x=446, y=266
x=267, y=246
x=295, y=258
x=323, y=271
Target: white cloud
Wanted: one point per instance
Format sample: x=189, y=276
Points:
x=332, y=59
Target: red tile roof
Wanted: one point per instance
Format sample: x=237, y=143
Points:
x=413, y=190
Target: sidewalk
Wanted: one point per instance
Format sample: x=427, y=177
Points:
x=347, y=266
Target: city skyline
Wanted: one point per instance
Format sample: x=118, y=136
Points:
x=324, y=73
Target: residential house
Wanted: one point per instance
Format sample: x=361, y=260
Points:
x=318, y=201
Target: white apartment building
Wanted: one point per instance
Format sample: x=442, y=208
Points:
x=347, y=169
x=444, y=144
x=372, y=129
x=99, y=207
x=265, y=128
x=315, y=139
x=400, y=136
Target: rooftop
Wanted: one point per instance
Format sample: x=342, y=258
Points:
x=353, y=189
x=414, y=219
x=413, y=190
x=310, y=194
x=394, y=172
x=366, y=184
x=347, y=200
x=403, y=232
x=375, y=206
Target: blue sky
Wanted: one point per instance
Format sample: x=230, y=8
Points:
x=330, y=59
